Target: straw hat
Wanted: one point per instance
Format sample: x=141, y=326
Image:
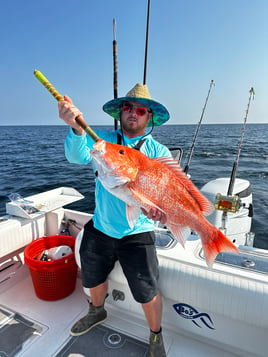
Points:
x=138, y=94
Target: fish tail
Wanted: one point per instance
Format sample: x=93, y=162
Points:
x=214, y=242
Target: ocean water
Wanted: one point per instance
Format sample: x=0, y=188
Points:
x=32, y=161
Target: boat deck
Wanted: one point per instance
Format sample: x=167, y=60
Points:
x=52, y=320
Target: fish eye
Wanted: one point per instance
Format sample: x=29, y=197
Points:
x=122, y=152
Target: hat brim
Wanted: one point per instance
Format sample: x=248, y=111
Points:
x=160, y=113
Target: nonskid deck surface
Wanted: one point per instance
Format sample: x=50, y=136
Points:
x=101, y=341
x=55, y=317
x=47, y=325
x=16, y=332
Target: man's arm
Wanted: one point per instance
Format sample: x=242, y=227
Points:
x=68, y=112
x=77, y=143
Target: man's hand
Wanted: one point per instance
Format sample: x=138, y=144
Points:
x=155, y=214
x=68, y=112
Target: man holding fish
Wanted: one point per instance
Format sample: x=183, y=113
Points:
x=119, y=230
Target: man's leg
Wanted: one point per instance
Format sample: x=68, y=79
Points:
x=153, y=312
x=99, y=293
x=138, y=258
x=97, y=261
x=96, y=314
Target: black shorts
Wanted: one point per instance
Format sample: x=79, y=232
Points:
x=136, y=254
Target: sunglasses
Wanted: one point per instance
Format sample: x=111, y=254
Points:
x=128, y=108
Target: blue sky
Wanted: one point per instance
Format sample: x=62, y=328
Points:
x=191, y=42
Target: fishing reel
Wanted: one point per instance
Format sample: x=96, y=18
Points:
x=227, y=203
x=233, y=212
x=231, y=204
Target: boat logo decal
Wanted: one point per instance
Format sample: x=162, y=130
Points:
x=188, y=312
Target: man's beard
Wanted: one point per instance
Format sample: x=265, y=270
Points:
x=132, y=128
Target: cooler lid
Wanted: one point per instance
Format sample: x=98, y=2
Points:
x=44, y=202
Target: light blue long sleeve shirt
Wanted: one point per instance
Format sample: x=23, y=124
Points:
x=110, y=212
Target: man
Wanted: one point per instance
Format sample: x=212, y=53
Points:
x=108, y=236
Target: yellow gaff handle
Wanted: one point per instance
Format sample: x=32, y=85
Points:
x=79, y=119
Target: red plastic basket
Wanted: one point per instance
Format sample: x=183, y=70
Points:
x=55, y=279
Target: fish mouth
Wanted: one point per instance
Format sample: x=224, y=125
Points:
x=98, y=156
x=99, y=160
x=106, y=174
x=99, y=146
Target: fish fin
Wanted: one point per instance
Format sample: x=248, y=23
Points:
x=170, y=163
x=144, y=200
x=205, y=205
x=216, y=243
x=113, y=181
x=181, y=233
x=133, y=213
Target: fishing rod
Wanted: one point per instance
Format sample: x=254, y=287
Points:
x=186, y=169
x=235, y=165
x=146, y=43
x=231, y=203
x=79, y=119
x=115, y=68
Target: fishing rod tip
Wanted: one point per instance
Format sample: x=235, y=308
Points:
x=114, y=29
x=252, y=91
